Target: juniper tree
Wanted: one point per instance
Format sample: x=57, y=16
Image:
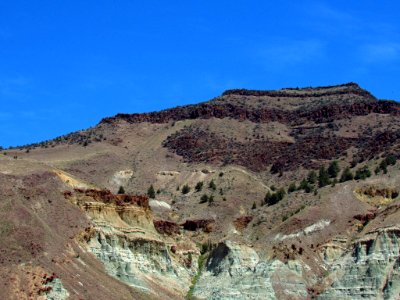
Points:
x=204, y=198
x=391, y=160
x=212, y=185
x=305, y=185
x=312, y=177
x=199, y=186
x=151, y=192
x=185, y=189
x=346, y=175
x=121, y=190
x=323, y=177
x=362, y=173
x=333, y=169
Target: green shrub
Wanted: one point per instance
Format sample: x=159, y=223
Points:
x=273, y=198
x=382, y=167
x=323, y=177
x=204, y=198
x=212, y=185
x=150, y=192
x=333, y=169
x=305, y=185
x=362, y=173
x=346, y=175
x=121, y=190
x=312, y=177
x=281, y=194
x=391, y=160
x=199, y=186
x=268, y=198
x=185, y=189
x=388, y=161
x=377, y=170
x=292, y=187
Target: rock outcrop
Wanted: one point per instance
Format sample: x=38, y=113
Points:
x=236, y=271
x=123, y=237
x=370, y=270
x=322, y=104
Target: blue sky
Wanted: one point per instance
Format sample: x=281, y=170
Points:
x=66, y=64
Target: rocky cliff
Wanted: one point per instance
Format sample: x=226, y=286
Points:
x=124, y=239
x=370, y=269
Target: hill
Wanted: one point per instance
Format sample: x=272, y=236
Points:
x=287, y=194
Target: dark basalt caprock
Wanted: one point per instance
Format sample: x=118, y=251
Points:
x=320, y=104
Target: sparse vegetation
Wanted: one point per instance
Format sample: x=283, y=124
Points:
x=205, y=247
x=273, y=198
x=202, y=259
x=388, y=161
x=362, y=173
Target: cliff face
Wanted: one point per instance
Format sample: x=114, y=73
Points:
x=370, y=269
x=124, y=239
x=236, y=271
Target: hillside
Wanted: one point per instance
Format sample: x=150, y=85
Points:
x=287, y=194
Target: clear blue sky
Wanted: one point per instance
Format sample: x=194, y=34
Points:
x=66, y=64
